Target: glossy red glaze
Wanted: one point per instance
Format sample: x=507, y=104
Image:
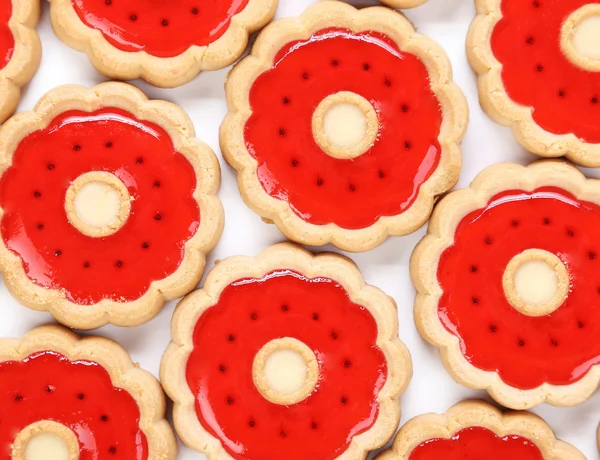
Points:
x=318, y=312
x=77, y=394
x=477, y=443
x=384, y=181
x=149, y=247
x=525, y=351
x=565, y=98
x=7, y=41
x=161, y=28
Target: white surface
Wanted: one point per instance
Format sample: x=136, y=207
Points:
x=431, y=389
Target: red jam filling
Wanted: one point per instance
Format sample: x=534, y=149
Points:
x=161, y=28
x=536, y=73
x=318, y=312
x=150, y=245
x=353, y=194
x=7, y=42
x=526, y=351
x=77, y=394
x=477, y=443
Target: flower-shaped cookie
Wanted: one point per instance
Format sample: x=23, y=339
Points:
x=286, y=355
x=539, y=72
x=167, y=43
x=344, y=125
x=108, y=205
x=20, y=50
x=507, y=282
x=475, y=430
x=66, y=398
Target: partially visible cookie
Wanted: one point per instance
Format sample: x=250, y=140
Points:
x=108, y=203
x=344, y=126
x=539, y=73
x=403, y=3
x=286, y=355
x=20, y=50
x=166, y=43
x=507, y=282
x=66, y=398
x=476, y=430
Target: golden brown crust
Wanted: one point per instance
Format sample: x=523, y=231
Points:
x=424, y=262
x=503, y=110
x=291, y=257
x=181, y=131
x=125, y=374
x=162, y=72
x=481, y=414
x=26, y=57
x=336, y=14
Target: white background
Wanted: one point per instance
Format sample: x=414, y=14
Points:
x=431, y=389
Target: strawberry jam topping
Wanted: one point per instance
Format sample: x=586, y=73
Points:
x=319, y=313
x=77, y=394
x=7, y=42
x=150, y=245
x=384, y=181
x=536, y=73
x=161, y=28
x=526, y=351
x=476, y=443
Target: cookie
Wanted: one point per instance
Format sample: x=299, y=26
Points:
x=66, y=398
x=507, y=279
x=108, y=205
x=403, y=3
x=20, y=50
x=539, y=73
x=286, y=355
x=474, y=430
x=344, y=125
x=165, y=43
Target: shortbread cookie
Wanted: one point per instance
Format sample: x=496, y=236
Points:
x=507, y=284
x=403, y=3
x=109, y=205
x=286, y=355
x=476, y=430
x=344, y=125
x=66, y=398
x=539, y=73
x=20, y=50
x=167, y=43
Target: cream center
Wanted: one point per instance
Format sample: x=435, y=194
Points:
x=586, y=36
x=47, y=446
x=536, y=282
x=45, y=440
x=98, y=204
x=345, y=125
x=580, y=37
x=285, y=371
